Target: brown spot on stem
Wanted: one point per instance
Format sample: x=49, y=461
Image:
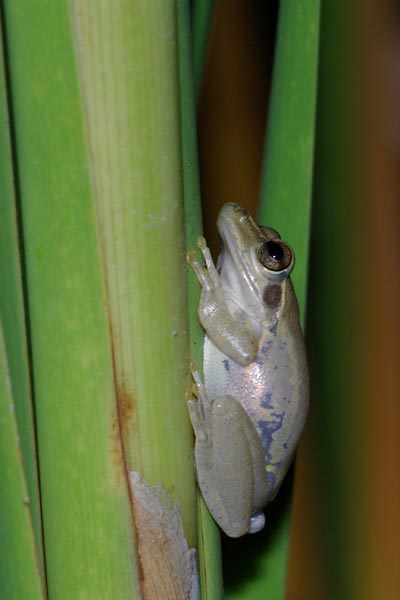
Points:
x=117, y=455
x=122, y=425
x=126, y=405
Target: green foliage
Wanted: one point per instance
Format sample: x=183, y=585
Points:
x=92, y=262
x=96, y=124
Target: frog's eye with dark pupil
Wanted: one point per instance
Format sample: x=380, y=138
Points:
x=275, y=250
x=274, y=255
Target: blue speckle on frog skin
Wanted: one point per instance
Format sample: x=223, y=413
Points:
x=268, y=428
x=227, y=365
x=266, y=401
x=271, y=478
x=266, y=348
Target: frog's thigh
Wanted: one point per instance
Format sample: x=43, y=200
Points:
x=261, y=489
x=225, y=472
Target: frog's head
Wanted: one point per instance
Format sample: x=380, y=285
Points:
x=255, y=261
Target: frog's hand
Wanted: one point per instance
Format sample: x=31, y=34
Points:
x=226, y=469
x=234, y=338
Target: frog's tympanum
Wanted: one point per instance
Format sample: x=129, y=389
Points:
x=250, y=412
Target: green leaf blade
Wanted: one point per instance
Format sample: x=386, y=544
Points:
x=20, y=575
x=86, y=505
x=288, y=163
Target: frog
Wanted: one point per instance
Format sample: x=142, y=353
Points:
x=249, y=413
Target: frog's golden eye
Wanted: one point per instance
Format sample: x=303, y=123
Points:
x=275, y=255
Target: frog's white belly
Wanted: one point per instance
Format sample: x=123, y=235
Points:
x=273, y=389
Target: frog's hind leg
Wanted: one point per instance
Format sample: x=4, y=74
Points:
x=223, y=467
x=215, y=463
x=229, y=467
x=238, y=459
x=232, y=466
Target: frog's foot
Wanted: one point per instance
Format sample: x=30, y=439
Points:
x=206, y=274
x=198, y=404
x=257, y=522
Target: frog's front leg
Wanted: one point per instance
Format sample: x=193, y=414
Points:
x=235, y=338
x=230, y=464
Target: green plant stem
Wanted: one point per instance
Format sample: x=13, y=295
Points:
x=209, y=539
x=287, y=186
x=13, y=318
x=86, y=506
x=133, y=130
x=202, y=12
x=19, y=573
x=289, y=152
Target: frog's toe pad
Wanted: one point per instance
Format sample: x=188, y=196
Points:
x=257, y=523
